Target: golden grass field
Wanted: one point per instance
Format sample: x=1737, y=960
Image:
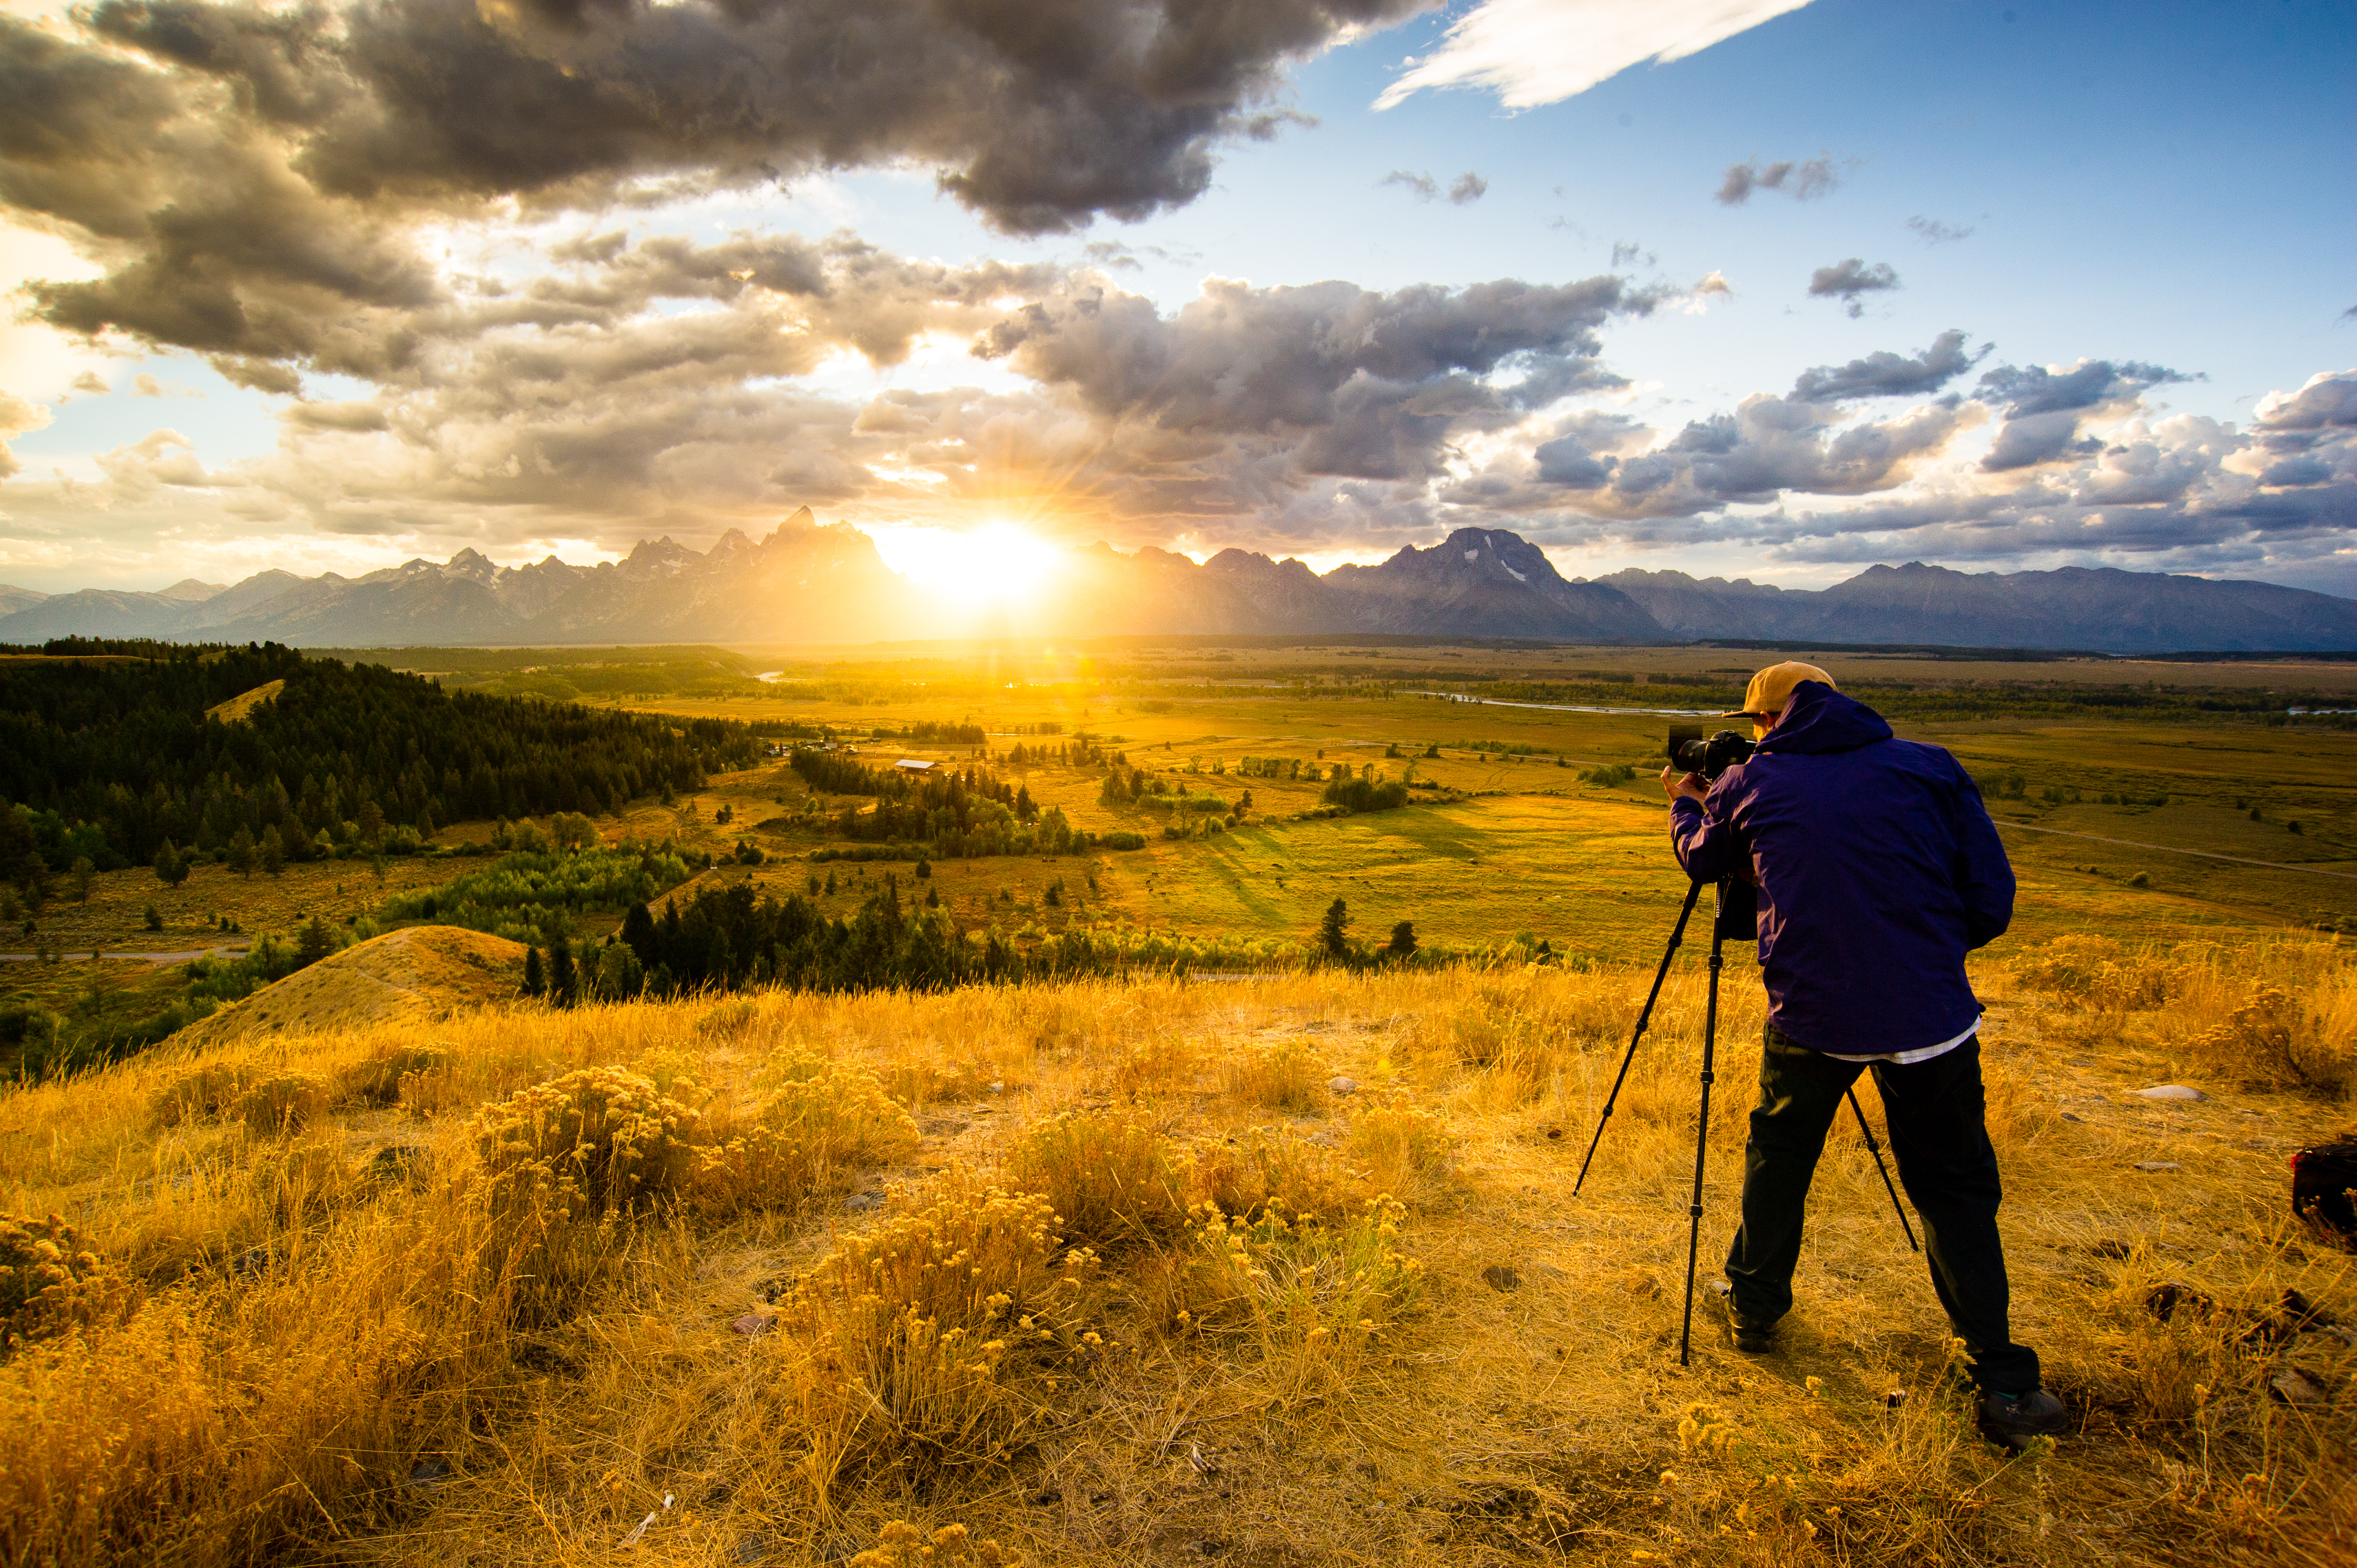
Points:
x=324, y=1325
x=382, y=1281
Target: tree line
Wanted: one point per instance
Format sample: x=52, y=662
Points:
x=952, y=813
x=107, y=755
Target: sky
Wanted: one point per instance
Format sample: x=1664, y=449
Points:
x=1733, y=287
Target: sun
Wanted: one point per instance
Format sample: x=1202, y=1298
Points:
x=996, y=562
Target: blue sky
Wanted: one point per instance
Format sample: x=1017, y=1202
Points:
x=2158, y=189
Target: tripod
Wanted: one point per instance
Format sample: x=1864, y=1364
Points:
x=1702, y=1122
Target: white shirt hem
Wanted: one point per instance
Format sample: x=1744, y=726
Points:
x=1908, y=1058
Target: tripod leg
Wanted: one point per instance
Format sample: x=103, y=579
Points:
x=1702, y=1120
x=1678, y=935
x=1889, y=1186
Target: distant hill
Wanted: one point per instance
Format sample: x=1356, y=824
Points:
x=416, y=973
x=808, y=583
x=2100, y=608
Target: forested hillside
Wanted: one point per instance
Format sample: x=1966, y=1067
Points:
x=108, y=753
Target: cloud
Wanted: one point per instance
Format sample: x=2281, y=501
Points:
x=254, y=183
x=1886, y=374
x=17, y=415
x=1362, y=385
x=90, y=382
x=1713, y=281
x=1801, y=181
x=2043, y=407
x=2327, y=402
x=1468, y=187
x=1848, y=280
x=1530, y=52
x=1423, y=187
x=1931, y=232
x=1767, y=447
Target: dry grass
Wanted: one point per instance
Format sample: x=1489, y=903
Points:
x=1120, y=1279
x=423, y=972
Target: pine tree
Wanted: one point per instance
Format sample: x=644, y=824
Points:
x=272, y=851
x=241, y=851
x=171, y=867
x=638, y=931
x=1402, y=943
x=1332, y=928
x=535, y=982
x=564, y=977
x=315, y=941
x=83, y=874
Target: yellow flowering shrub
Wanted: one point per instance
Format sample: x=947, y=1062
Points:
x=1111, y=1178
x=902, y=1545
x=282, y=1104
x=821, y=1117
x=1289, y=1075
x=377, y=1078
x=1393, y=1142
x=564, y=1166
x=1271, y=1167
x=936, y=1340
x=49, y=1280
x=1311, y=1300
x=201, y=1093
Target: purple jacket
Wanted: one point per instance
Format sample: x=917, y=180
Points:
x=1878, y=869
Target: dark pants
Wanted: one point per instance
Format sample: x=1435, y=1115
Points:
x=1945, y=1161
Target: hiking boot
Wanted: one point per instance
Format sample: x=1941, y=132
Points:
x=2012, y=1420
x=1751, y=1338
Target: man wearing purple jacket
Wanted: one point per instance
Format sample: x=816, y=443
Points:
x=1878, y=870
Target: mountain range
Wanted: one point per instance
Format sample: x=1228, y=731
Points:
x=813, y=583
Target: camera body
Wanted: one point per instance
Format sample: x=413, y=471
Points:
x=1693, y=752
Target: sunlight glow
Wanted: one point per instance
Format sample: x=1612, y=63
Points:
x=994, y=563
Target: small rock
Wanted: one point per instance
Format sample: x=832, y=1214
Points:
x=2157, y=1164
x=2169, y=1092
x=861, y=1202
x=1340, y=1085
x=2294, y=1388
x=2165, y=1301
x=426, y=1472
x=1894, y=1399
x=997, y=1088
x=754, y=1323
x=1555, y=1134
x=1501, y=1278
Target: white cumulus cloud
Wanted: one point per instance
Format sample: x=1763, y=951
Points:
x=1540, y=52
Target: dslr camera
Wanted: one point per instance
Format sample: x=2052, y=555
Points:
x=1691, y=751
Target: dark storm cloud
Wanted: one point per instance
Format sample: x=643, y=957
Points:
x=1371, y=386
x=1802, y=181
x=1886, y=374
x=1848, y=280
x=252, y=187
x=1040, y=114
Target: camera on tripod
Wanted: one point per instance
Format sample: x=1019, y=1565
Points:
x=1693, y=752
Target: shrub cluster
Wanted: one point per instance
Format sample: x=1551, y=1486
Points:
x=49, y=1282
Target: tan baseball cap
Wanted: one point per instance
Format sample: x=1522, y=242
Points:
x=1770, y=690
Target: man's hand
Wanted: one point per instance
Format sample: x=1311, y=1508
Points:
x=1690, y=785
